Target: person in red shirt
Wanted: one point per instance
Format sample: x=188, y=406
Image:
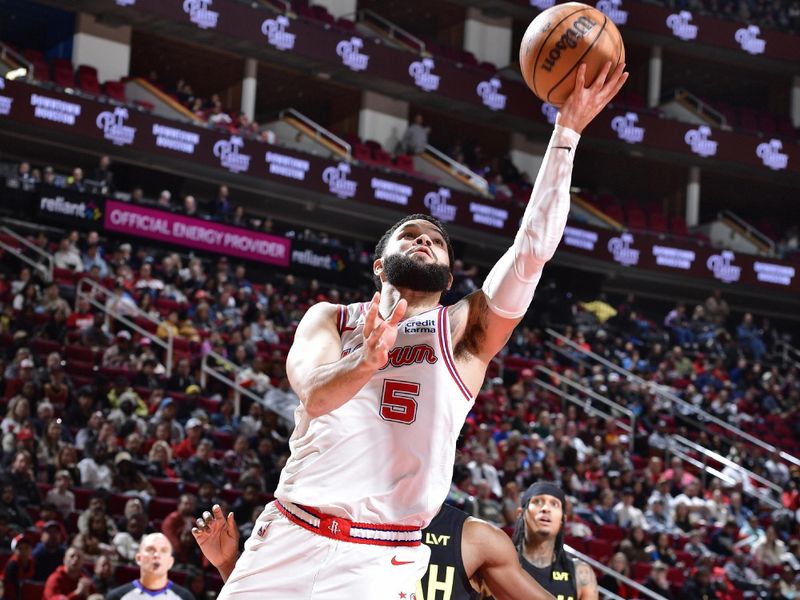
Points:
x=188, y=447
x=18, y=568
x=67, y=581
x=82, y=318
x=179, y=520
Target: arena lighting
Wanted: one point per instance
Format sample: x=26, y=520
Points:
x=19, y=73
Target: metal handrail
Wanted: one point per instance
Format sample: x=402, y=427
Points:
x=586, y=405
x=763, y=498
x=702, y=107
x=629, y=583
x=206, y=370
x=29, y=261
x=48, y=258
x=762, y=238
x=476, y=180
x=284, y=5
x=392, y=28
x=321, y=131
x=660, y=391
x=27, y=65
x=624, y=411
x=728, y=463
x=91, y=297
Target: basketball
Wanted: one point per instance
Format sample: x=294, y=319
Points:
x=559, y=40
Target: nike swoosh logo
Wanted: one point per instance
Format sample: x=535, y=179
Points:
x=400, y=562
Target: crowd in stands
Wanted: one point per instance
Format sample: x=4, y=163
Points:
x=101, y=443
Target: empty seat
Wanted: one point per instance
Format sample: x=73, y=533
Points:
x=87, y=80
x=115, y=90
x=677, y=225
x=658, y=222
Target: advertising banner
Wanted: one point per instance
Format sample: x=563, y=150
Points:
x=208, y=236
x=68, y=208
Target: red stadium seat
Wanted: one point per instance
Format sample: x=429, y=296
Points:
x=115, y=90
x=34, y=590
x=161, y=507
x=600, y=550
x=87, y=80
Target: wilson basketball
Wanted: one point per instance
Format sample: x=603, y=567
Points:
x=559, y=40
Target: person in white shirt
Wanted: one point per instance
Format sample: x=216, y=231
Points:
x=576, y=442
x=627, y=514
x=127, y=542
x=691, y=497
x=95, y=472
x=282, y=400
x=61, y=496
x=777, y=469
x=481, y=470
x=68, y=257
x=254, y=378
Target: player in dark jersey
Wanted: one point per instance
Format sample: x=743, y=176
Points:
x=155, y=559
x=466, y=553
x=539, y=539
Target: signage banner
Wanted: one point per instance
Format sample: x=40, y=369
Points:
x=132, y=219
x=68, y=207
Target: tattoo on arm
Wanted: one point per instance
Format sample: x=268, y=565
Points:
x=584, y=575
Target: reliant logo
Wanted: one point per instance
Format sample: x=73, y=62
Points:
x=772, y=273
x=277, y=36
x=5, y=101
x=114, y=128
x=420, y=70
x=720, y=265
x=620, y=248
x=172, y=138
x=350, y=52
x=309, y=258
x=771, y=155
x=227, y=151
x=550, y=113
x=748, y=39
x=675, y=258
x=626, y=128
x=543, y=4
x=80, y=210
x=699, y=142
x=338, y=183
x=52, y=109
x=489, y=91
x=488, y=215
x=680, y=26
x=199, y=14
x=436, y=203
x=287, y=166
x=389, y=191
x=613, y=10
x=580, y=238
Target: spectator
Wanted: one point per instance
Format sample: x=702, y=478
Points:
x=487, y=508
x=61, y=496
x=182, y=377
x=11, y=510
x=627, y=515
x=103, y=575
x=160, y=461
x=662, y=550
x=181, y=519
x=741, y=575
x=619, y=563
x=68, y=257
x=695, y=545
x=415, y=139
x=96, y=473
x=22, y=478
x=769, y=550
x=188, y=447
x=604, y=511
x=283, y=401
x=699, y=587
x=20, y=566
x=127, y=542
x=201, y=466
x=67, y=581
x=104, y=175
x=190, y=206
x=657, y=581
x=75, y=181
x=129, y=480
x=717, y=309
x=483, y=471
x=53, y=302
x=120, y=354
x=223, y=209
x=723, y=541
x=49, y=552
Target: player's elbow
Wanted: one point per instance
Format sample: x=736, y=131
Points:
x=314, y=404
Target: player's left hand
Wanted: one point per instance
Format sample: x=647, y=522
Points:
x=217, y=537
x=585, y=103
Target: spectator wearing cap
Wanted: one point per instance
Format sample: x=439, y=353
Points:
x=20, y=566
x=122, y=390
x=628, y=515
x=202, y=466
x=190, y=403
x=120, y=353
x=95, y=471
x=129, y=480
x=165, y=418
x=188, y=447
x=61, y=495
x=67, y=581
x=49, y=552
x=657, y=581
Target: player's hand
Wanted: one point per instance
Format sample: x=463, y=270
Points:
x=586, y=102
x=380, y=334
x=217, y=537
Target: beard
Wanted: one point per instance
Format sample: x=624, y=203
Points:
x=405, y=272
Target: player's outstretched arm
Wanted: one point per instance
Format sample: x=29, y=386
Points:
x=498, y=563
x=320, y=376
x=218, y=539
x=491, y=313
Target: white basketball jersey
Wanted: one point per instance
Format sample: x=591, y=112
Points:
x=386, y=455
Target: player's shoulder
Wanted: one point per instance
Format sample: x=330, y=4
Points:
x=486, y=535
x=181, y=591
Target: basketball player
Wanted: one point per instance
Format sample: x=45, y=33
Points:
x=466, y=554
x=155, y=559
x=539, y=538
x=385, y=387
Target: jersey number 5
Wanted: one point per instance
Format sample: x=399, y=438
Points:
x=397, y=401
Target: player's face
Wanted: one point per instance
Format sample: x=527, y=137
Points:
x=543, y=515
x=416, y=257
x=155, y=555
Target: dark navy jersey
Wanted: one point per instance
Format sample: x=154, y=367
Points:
x=446, y=578
x=557, y=578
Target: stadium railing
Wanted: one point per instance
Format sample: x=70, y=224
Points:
x=45, y=269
